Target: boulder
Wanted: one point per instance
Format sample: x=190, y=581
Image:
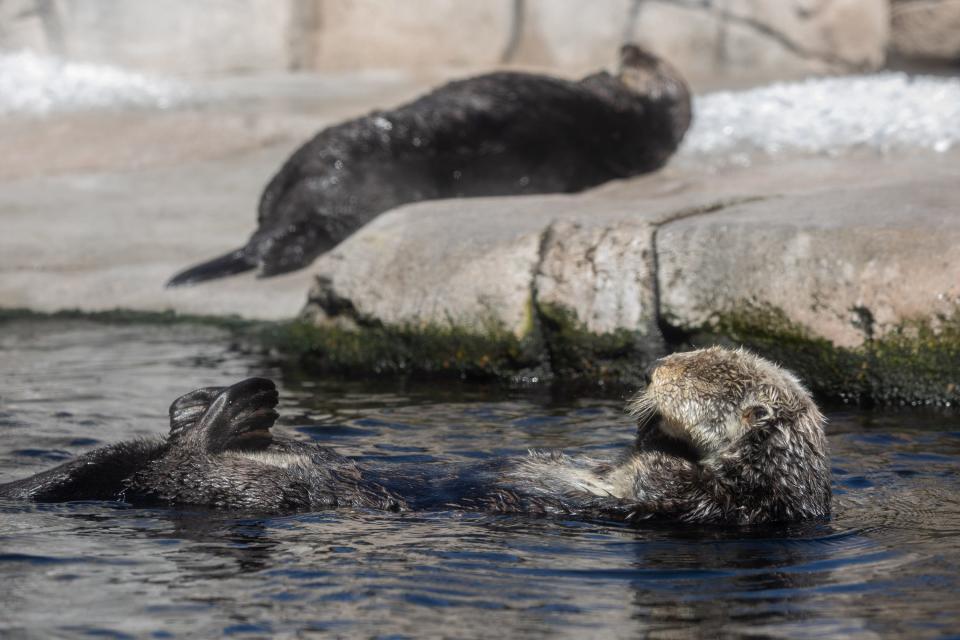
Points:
x=847, y=265
x=926, y=29
x=487, y=264
x=848, y=271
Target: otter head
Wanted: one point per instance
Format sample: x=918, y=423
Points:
x=713, y=398
x=657, y=80
x=763, y=455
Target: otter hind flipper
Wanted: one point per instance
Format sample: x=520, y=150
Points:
x=232, y=263
x=187, y=410
x=239, y=417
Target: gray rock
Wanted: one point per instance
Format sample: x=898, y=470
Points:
x=739, y=41
x=602, y=275
x=926, y=28
x=176, y=36
x=484, y=264
x=496, y=263
x=846, y=264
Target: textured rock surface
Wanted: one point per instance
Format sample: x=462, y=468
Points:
x=602, y=275
x=176, y=36
x=492, y=262
x=849, y=270
x=845, y=264
x=765, y=39
x=353, y=34
x=484, y=264
x=734, y=40
x=926, y=28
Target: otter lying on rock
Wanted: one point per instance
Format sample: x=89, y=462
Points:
x=496, y=134
x=724, y=437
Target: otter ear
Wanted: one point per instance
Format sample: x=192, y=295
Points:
x=186, y=411
x=756, y=414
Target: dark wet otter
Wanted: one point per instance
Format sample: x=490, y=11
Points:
x=497, y=134
x=724, y=437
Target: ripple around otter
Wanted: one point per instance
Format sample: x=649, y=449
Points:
x=887, y=564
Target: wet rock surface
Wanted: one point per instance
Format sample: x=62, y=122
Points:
x=848, y=264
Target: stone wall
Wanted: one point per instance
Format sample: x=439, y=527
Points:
x=181, y=37
x=712, y=41
x=927, y=29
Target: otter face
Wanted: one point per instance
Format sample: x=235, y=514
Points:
x=654, y=78
x=710, y=398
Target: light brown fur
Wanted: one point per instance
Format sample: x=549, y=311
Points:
x=760, y=453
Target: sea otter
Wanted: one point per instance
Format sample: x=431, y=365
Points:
x=723, y=437
x=496, y=134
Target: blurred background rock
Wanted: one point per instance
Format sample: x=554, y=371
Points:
x=714, y=42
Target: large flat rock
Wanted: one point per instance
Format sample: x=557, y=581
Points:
x=492, y=262
x=847, y=264
x=484, y=264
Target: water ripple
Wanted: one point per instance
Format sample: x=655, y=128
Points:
x=888, y=560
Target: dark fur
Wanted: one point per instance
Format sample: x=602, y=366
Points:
x=497, y=134
x=766, y=463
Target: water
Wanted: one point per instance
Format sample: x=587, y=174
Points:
x=888, y=564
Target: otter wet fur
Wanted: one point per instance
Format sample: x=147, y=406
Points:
x=498, y=134
x=724, y=437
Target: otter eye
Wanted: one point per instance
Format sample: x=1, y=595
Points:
x=757, y=413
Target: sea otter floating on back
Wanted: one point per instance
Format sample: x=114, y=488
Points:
x=724, y=437
x=496, y=134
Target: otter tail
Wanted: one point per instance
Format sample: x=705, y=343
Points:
x=234, y=262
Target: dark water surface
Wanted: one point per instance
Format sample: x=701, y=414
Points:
x=887, y=565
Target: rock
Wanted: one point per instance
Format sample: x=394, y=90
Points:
x=456, y=265
x=846, y=265
x=850, y=272
x=926, y=29
x=753, y=40
x=738, y=41
x=484, y=264
x=857, y=287
x=713, y=42
x=603, y=275
x=569, y=36
x=176, y=37
x=352, y=34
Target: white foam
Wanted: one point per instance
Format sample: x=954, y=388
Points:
x=884, y=112
x=39, y=84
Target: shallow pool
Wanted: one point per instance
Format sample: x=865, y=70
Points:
x=887, y=564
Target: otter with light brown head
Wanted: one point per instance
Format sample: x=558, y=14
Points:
x=761, y=453
x=723, y=437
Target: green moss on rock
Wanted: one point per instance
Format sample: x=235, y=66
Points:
x=915, y=363
x=427, y=351
x=579, y=355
